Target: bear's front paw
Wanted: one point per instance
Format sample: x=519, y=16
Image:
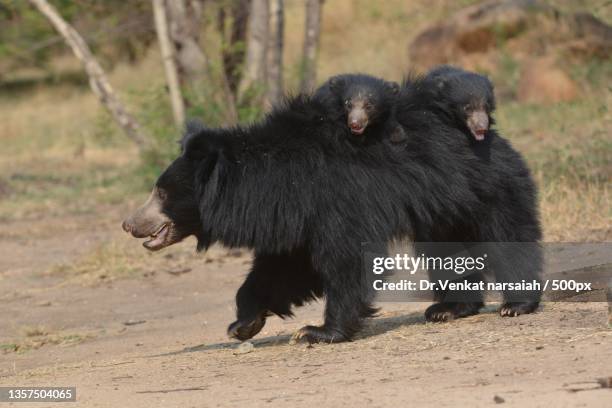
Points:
x=317, y=334
x=244, y=330
x=513, y=309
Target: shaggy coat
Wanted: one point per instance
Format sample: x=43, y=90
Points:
x=298, y=191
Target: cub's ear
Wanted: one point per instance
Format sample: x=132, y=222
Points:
x=336, y=83
x=392, y=87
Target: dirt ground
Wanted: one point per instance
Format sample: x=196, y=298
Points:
x=158, y=338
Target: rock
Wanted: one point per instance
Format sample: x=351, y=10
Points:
x=244, y=348
x=524, y=28
x=498, y=399
x=475, y=29
x=541, y=81
x=591, y=37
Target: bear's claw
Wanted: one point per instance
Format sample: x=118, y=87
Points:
x=444, y=312
x=242, y=330
x=317, y=334
x=513, y=309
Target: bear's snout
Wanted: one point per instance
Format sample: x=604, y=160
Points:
x=148, y=219
x=127, y=226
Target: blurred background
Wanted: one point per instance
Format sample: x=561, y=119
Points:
x=73, y=161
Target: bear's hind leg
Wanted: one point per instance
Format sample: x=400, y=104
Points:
x=346, y=305
x=519, y=262
x=446, y=311
x=451, y=304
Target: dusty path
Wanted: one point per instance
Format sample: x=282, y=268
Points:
x=159, y=340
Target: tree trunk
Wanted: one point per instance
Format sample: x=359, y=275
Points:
x=275, y=52
x=97, y=78
x=185, y=23
x=161, y=26
x=233, y=49
x=184, y=20
x=254, y=77
x=311, y=45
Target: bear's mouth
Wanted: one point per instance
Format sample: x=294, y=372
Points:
x=161, y=238
x=149, y=221
x=479, y=134
x=357, y=129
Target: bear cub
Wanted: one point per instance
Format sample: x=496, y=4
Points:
x=364, y=103
x=465, y=97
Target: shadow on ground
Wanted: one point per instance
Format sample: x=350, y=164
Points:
x=373, y=327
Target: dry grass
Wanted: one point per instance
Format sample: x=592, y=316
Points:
x=38, y=336
x=570, y=153
x=118, y=259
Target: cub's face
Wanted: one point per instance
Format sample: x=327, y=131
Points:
x=472, y=99
x=171, y=213
x=365, y=102
x=476, y=116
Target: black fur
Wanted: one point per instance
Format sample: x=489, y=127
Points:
x=447, y=91
x=337, y=93
x=298, y=191
x=452, y=88
x=501, y=190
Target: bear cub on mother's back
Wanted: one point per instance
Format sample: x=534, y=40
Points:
x=465, y=98
x=364, y=103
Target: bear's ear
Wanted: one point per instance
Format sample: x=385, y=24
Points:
x=202, y=144
x=193, y=126
x=336, y=83
x=392, y=87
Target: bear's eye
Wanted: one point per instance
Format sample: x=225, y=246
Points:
x=347, y=103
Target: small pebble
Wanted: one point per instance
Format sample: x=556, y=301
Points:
x=498, y=399
x=244, y=348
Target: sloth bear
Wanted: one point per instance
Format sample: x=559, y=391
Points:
x=466, y=98
x=297, y=190
x=365, y=103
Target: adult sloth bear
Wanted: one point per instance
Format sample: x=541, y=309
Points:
x=294, y=188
